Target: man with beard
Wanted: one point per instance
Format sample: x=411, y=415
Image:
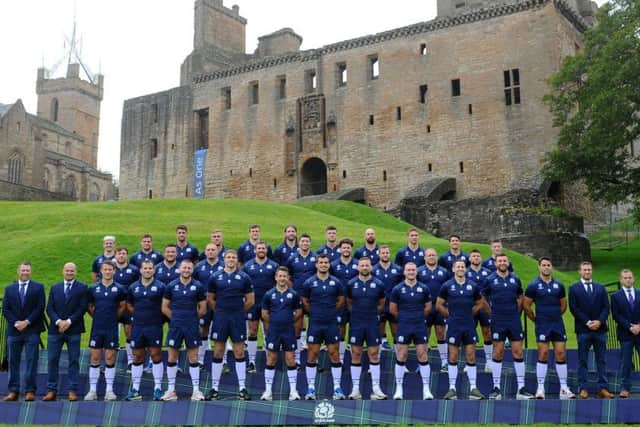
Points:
x=262, y=272
x=365, y=299
x=144, y=302
x=478, y=274
x=463, y=300
x=322, y=298
x=202, y=272
x=504, y=292
x=454, y=254
x=390, y=275
x=230, y=296
x=146, y=252
x=247, y=250
x=168, y=270
x=344, y=268
x=288, y=246
x=370, y=249
x=412, y=252
x=410, y=305
x=331, y=248
x=185, y=250
x=433, y=275
x=551, y=302
x=184, y=303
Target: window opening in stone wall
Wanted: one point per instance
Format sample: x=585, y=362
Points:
x=250, y=172
x=384, y=176
x=341, y=74
x=398, y=113
x=371, y=120
x=19, y=126
x=423, y=49
x=275, y=183
x=55, y=106
x=254, y=93
x=231, y=172
x=154, y=113
x=430, y=167
x=455, y=87
x=226, y=98
x=150, y=194
x=282, y=87
x=344, y=174
x=512, y=87
x=470, y=109
x=310, y=81
x=374, y=67
x=202, y=130
x=428, y=128
x=424, y=90
x=461, y=167
x=15, y=169
x=154, y=148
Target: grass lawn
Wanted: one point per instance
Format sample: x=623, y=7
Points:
x=50, y=234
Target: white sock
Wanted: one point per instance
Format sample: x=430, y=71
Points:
x=336, y=373
x=425, y=373
x=216, y=372
x=541, y=373
x=202, y=350
x=400, y=374
x=311, y=375
x=94, y=374
x=497, y=373
x=194, y=372
x=453, y=375
x=269, y=374
x=109, y=376
x=241, y=372
x=252, y=347
x=519, y=367
x=472, y=374
x=292, y=375
x=136, y=376
x=444, y=352
x=561, y=369
x=297, y=353
x=224, y=355
x=341, y=349
x=356, y=370
x=129, y=351
x=488, y=353
x=158, y=371
x=303, y=337
x=172, y=371
x=375, y=374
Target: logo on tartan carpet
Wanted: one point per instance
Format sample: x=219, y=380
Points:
x=324, y=413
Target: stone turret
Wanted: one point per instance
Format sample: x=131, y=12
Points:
x=282, y=41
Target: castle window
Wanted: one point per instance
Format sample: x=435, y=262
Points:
x=15, y=169
x=154, y=148
x=282, y=87
x=455, y=87
x=226, y=98
x=384, y=176
x=150, y=194
x=461, y=167
x=344, y=174
x=398, y=113
x=202, y=130
x=55, y=106
x=512, y=86
x=430, y=167
x=310, y=81
x=470, y=109
x=374, y=67
x=154, y=113
x=423, y=49
x=341, y=74
x=424, y=91
x=371, y=120
x=275, y=183
x=250, y=172
x=428, y=128
x=254, y=93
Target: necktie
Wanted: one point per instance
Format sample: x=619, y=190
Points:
x=23, y=290
x=630, y=297
x=590, y=287
x=67, y=290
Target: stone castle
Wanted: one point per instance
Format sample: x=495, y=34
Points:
x=449, y=109
x=54, y=155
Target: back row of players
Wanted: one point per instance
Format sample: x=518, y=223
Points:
x=335, y=286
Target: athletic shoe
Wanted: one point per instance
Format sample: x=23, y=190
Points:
x=386, y=346
x=91, y=396
x=444, y=367
x=110, y=396
x=566, y=394
x=487, y=368
x=157, y=394
x=540, y=393
x=426, y=393
x=495, y=394
x=180, y=371
x=311, y=394
x=212, y=395
x=244, y=394
x=294, y=395
x=267, y=395
x=133, y=395
x=451, y=395
x=197, y=395
x=338, y=394
x=251, y=368
x=355, y=395
x=226, y=369
x=523, y=394
x=398, y=394
x=377, y=394
x=169, y=396
x=128, y=370
x=476, y=394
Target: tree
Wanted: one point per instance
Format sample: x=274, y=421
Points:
x=595, y=101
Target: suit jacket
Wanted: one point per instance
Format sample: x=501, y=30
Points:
x=32, y=309
x=58, y=307
x=624, y=315
x=585, y=307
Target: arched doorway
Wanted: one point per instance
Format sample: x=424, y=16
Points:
x=314, y=178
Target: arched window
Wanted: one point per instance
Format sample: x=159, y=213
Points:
x=55, y=105
x=15, y=168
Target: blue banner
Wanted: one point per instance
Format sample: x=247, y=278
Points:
x=199, y=161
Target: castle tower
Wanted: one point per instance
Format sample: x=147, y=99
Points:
x=448, y=8
x=73, y=104
x=219, y=39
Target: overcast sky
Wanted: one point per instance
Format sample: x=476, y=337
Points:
x=139, y=44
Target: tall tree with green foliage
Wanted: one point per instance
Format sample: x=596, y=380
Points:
x=595, y=100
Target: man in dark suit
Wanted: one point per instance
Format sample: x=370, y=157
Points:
x=66, y=307
x=625, y=308
x=589, y=305
x=23, y=307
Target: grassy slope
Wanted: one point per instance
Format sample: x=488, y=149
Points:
x=50, y=234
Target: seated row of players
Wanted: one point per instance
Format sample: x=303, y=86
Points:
x=328, y=292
